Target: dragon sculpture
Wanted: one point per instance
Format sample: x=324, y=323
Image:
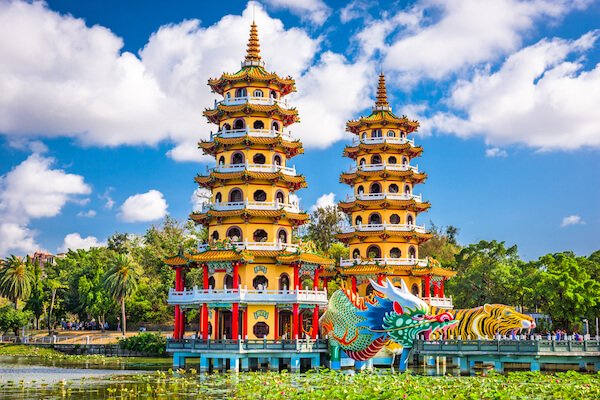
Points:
x=363, y=326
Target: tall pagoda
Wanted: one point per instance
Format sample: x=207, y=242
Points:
x=257, y=283
x=383, y=235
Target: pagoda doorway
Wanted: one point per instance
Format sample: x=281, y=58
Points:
x=285, y=325
x=224, y=331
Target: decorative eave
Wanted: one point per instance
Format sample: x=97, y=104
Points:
x=177, y=260
x=382, y=118
x=293, y=182
x=250, y=75
x=212, y=147
x=306, y=258
x=354, y=152
x=359, y=205
x=287, y=115
x=351, y=178
x=384, y=235
x=297, y=219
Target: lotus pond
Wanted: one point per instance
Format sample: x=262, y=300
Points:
x=105, y=383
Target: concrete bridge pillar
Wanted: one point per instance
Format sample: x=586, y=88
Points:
x=204, y=364
x=245, y=364
x=315, y=361
x=274, y=364
x=499, y=366
x=466, y=365
x=535, y=365
x=597, y=367
x=234, y=364
x=178, y=361
x=295, y=363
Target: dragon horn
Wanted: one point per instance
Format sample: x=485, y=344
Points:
x=400, y=295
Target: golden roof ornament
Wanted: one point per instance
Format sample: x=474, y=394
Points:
x=382, y=102
x=253, y=49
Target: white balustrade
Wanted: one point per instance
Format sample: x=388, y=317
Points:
x=441, y=302
x=237, y=133
x=390, y=196
x=276, y=246
x=270, y=168
x=382, y=139
x=384, y=166
x=245, y=295
x=384, y=261
x=384, y=227
x=268, y=101
x=251, y=205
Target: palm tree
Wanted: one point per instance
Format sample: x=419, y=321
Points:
x=121, y=281
x=16, y=278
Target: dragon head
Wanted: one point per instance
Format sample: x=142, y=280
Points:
x=400, y=315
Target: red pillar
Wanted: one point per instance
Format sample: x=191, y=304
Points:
x=427, y=286
x=216, y=326
x=315, y=323
x=435, y=289
x=205, y=276
x=442, y=287
x=245, y=324
x=235, y=312
x=205, y=321
x=295, y=322
x=181, y=323
x=296, y=276
x=354, y=290
x=176, y=324
x=380, y=279
x=316, y=279
x=276, y=323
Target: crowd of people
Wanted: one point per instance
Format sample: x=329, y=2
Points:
x=92, y=325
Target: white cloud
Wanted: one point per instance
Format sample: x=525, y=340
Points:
x=200, y=197
x=109, y=203
x=495, y=152
x=74, y=241
x=435, y=38
x=316, y=11
x=354, y=10
x=29, y=191
x=87, y=214
x=326, y=200
x=143, y=207
x=538, y=98
x=572, y=220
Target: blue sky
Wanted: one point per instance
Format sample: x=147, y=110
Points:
x=100, y=109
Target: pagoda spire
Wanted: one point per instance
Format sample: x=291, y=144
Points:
x=382, y=101
x=253, y=50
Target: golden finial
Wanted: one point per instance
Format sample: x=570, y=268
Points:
x=253, y=52
x=381, y=92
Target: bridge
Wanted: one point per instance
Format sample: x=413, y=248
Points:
x=536, y=353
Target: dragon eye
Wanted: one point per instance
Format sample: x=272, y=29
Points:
x=418, y=317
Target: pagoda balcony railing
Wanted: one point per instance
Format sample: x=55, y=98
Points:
x=384, y=227
x=251, y=205
x=266, y=101
x=237, y=133
x=384, y=166
x=271, y=168
x=245, y=295
x=246, y=245
x=382, y=139
x=441, y=302
x=349, y=262
x=386, y=195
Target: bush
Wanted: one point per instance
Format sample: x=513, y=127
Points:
x=145, y=342
x=11, y=319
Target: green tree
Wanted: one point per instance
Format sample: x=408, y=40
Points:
x=442, y=246
x=12, y=319
x=338, y=250
x=325, y=223
x=35, y=303
x=119, y=243
x=16, y=278
x=121, y=281
x=487, y=272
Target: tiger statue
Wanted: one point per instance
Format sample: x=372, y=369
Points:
x=484, y=322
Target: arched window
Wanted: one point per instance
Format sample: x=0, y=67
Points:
x=284, y=281
x=259, y=125
x=228, y=281
x=356, y=253
x=406, y=189
x=218, y=198
x=376, y=159
x=211, y=282
x=375, y=188
x=360, y=190
x=280, y=197
x=374, y=219
x=392, y=160
x=395, y=219
x=374, y=252
x=259, y=159
x=412, y=252
x=404, y=161
x=215, y=235
x=275, y=126
x=234, y=234
x=391, y=133
x=376, y=133
x=260, y=282
x=273, y=94
x=221, y=160
x=241, y=92
x=236, y=196
x=228, y=95
x=258, y=93
x=363, y=135
x=414, y=289
x=282, y=236
x=260, y=235
x=358, y=220
x=393, y=188
x=260, y=195
x=395, y=253
x=226, y=127
x=277, y=159
x=402, y=135
x=239, y=124
x=237, y=158
x=409, y=220
x=362, y=162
